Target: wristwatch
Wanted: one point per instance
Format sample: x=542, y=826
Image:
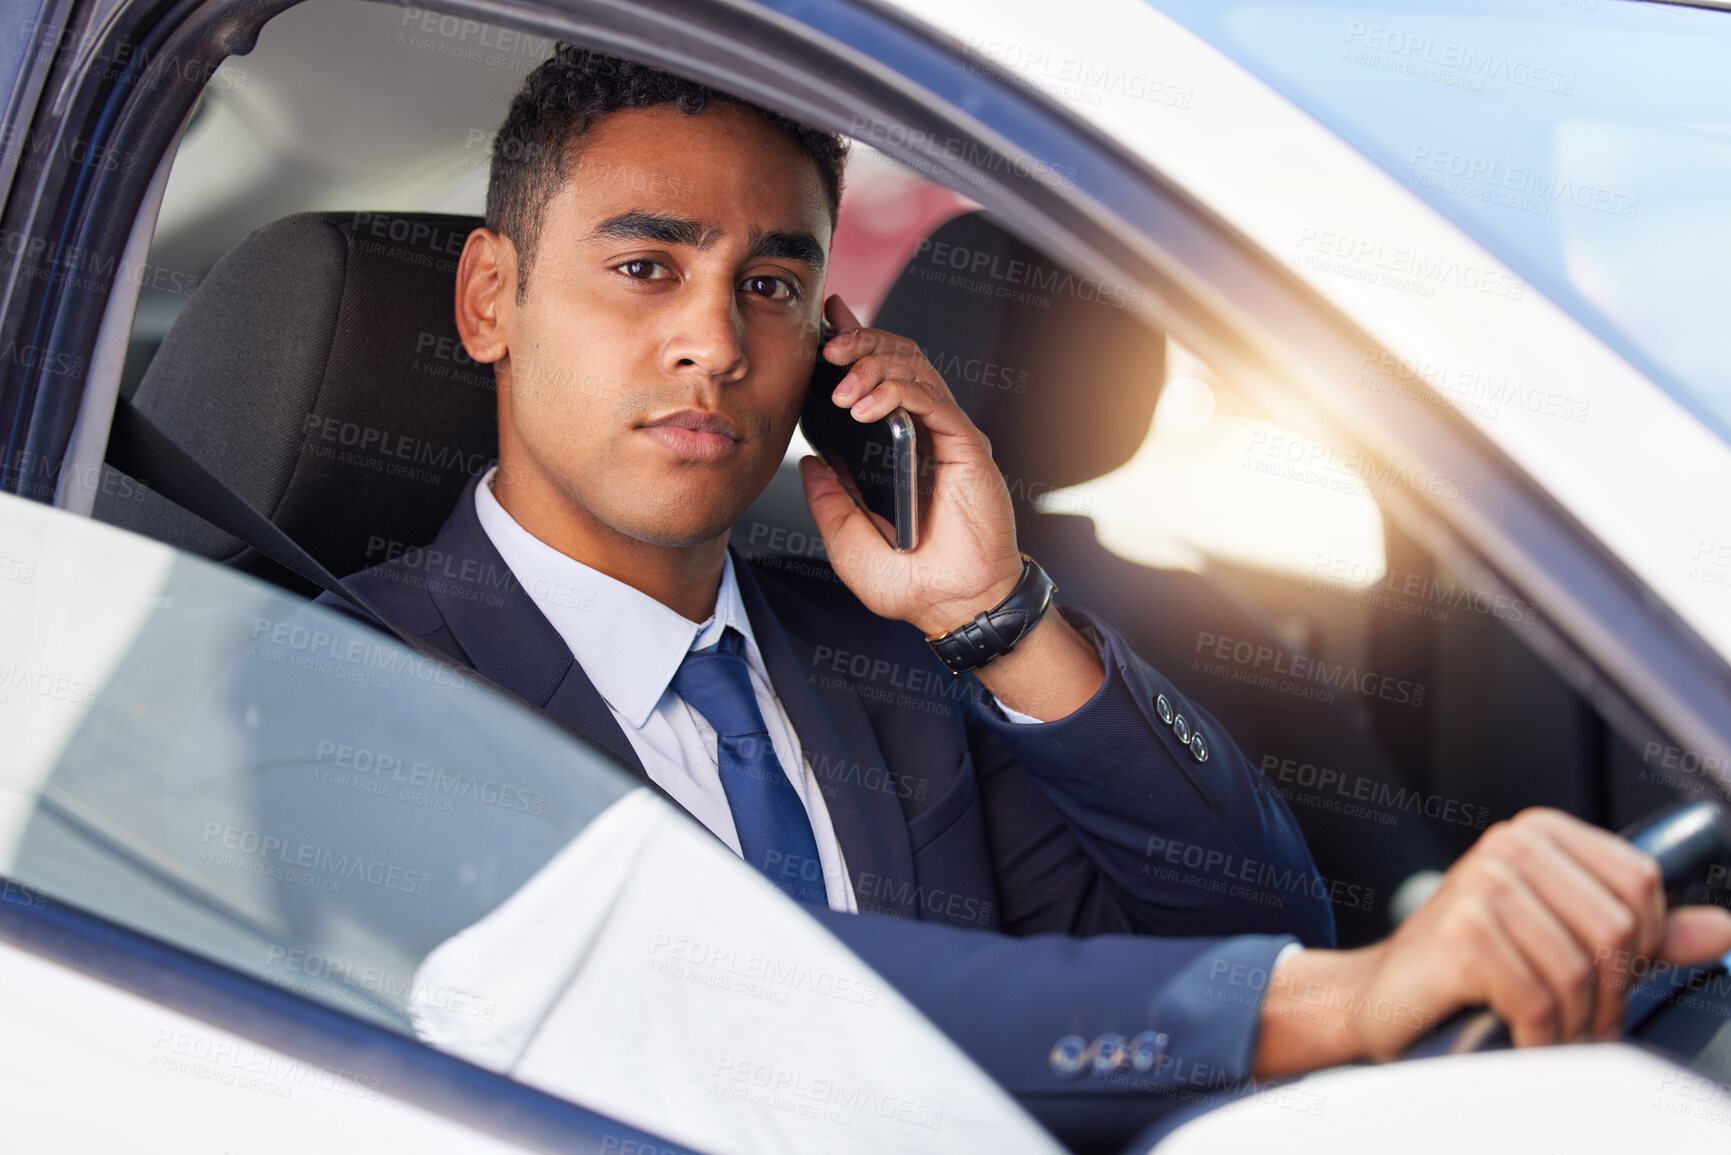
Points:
x=995, y=632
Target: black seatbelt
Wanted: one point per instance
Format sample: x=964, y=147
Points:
x=139, y=449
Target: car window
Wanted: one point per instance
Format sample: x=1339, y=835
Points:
x=208, y=759
x=1398, y=705
x=1583, y=143
x=276, y=786
x=1232, y=462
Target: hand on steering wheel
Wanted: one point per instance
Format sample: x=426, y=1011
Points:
x=1547, y=920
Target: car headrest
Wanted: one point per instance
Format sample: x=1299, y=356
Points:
x=318, y=372
x=1060, y=370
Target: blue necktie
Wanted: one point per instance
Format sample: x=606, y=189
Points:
x=774, y=833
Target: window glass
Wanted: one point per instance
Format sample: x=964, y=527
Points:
x=1234, y=468
x=1395, y=704
x=341, y=106
x=1584, y=142
x=276, y=786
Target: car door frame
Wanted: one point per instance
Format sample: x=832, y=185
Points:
x=859, y=67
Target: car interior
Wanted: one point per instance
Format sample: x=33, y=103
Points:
x=295, y=337
x=316, y=370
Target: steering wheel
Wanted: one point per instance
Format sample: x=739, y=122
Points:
x=1687, y=839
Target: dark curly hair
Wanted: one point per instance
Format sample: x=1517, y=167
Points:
x=564, y=98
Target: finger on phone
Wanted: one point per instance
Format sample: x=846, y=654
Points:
x=839, y=314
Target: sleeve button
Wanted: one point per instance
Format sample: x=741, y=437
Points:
x=1146, y=1048
x=1111, y=1054
x=1070, y=1056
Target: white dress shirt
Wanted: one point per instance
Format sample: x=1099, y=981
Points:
x=630, y=646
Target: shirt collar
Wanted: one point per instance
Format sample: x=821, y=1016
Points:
x=629, y=644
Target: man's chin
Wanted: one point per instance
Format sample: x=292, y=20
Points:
x=676, y=508
x=679, y=527
x=682, y=539
x=684, y=508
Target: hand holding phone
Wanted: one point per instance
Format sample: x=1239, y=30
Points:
x=967, y=561
x=877, y=461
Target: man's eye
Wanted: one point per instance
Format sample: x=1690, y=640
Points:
x=775, y=288
x=639, y=270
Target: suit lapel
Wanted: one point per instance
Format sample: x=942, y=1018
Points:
x=509, y=639
x=837, y=739
x=577, y=703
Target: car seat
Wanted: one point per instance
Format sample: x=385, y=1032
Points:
x=318, y=372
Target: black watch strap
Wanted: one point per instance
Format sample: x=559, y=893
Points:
x=995, y=632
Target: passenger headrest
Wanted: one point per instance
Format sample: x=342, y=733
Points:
x=1060, y=370
x=318, y=372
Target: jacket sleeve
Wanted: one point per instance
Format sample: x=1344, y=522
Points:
x=1041, y=1014
x=1105, y=822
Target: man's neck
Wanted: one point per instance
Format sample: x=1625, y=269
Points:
x=685, y=579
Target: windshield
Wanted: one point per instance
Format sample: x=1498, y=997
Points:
x=1587, y=143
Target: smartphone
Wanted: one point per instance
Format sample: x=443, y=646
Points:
x=880, y=458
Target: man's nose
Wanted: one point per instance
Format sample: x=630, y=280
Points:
x=708, y=337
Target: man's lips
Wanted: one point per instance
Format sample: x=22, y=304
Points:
x=695, y=434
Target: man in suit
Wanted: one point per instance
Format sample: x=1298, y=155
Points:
x=647, y=290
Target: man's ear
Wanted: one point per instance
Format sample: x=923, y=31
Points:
x=486, y=294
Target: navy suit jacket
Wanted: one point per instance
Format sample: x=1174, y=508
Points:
x=1145, y=889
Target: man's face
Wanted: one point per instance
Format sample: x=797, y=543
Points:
x=657, y=363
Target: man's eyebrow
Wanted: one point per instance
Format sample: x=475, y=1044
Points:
x=638, y=225
x=645, y=226
x=789, y=247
